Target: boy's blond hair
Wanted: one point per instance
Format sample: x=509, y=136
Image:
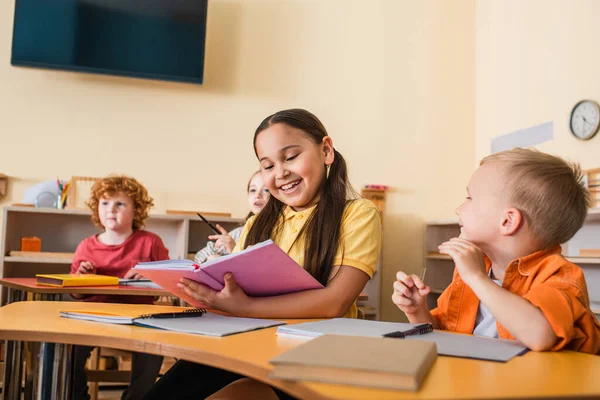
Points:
x=548, y=191
x=131, y=188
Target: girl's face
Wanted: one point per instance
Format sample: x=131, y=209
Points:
x=292, y=166
x=258, y=194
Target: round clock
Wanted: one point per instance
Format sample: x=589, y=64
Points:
x=585, y=119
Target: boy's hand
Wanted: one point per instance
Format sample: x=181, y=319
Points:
x=230, y=299
x=131, y=274
x=86, y=267
x=468, y=258
x=223, y=240
x=410, y=294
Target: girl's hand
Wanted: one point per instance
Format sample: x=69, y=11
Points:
x=230, y=299
x=86, y=267
x=468, y=258
x=410, y=293
x=223, y=240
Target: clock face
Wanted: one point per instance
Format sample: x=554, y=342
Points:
x=585, y=119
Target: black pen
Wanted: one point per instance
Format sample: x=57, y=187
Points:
x=214, y=228
x=417, y=330
x=196, y=312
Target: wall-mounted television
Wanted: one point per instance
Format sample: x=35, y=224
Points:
x=157, y=39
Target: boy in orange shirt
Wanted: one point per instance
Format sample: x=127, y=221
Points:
x=511, y=280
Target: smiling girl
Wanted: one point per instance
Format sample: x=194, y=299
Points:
x=314, y=217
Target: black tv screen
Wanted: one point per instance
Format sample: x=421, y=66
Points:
x=159, y=39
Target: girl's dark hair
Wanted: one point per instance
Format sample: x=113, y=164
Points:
x=322, y=230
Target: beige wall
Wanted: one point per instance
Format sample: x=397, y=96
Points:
x=393, y=81
x=535, y=60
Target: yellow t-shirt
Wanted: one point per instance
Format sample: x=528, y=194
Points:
x=360, y=238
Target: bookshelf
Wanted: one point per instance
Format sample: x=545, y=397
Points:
x=62, y=230
x=440, y=267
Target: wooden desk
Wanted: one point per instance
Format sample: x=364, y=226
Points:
x=29, y=285
x=52, y=293
x=534, y=375
x=15, y=350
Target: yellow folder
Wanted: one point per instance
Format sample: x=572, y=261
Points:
x=72, y=280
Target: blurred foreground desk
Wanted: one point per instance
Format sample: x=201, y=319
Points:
x=18, y=290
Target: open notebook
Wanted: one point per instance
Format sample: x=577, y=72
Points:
x=143, y=283
x=261, y=270
x=448, y=344
x=203, y=323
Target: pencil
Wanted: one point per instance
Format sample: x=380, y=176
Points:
x=214, y=228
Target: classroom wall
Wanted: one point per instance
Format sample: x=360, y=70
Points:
x=535, y=60
x=393, y=81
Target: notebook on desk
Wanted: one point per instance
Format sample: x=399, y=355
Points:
x=448, y=344
x=197, y=321
x=261, y=270
x=75, y=280
x=360, y=361
x=143, y=283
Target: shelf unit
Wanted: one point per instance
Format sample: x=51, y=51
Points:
x=439, y=267
x=62, y=230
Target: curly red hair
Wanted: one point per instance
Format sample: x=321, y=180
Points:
x=130, y=187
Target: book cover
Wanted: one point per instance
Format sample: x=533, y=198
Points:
x=360, y=361
x=74, y=280
x=261, y=270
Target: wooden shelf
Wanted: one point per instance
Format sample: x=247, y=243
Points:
x=442, y=222
x=584, y=260
x=574, y=260
x=61, y=231
x=38, y=260
x=593, y=215
x=438, y=265
x=164, y=217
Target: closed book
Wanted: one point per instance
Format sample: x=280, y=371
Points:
x=261, y=270
x=360, y=361
x=74, y=280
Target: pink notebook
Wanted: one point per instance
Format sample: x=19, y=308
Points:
x=261, y=270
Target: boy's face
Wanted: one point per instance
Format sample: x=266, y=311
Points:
x=480, y=216
x=116, y=212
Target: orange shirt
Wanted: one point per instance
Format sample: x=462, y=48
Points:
x=545, y=279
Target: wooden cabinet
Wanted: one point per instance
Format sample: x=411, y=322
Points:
x=439, y=267
x=61, y=231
